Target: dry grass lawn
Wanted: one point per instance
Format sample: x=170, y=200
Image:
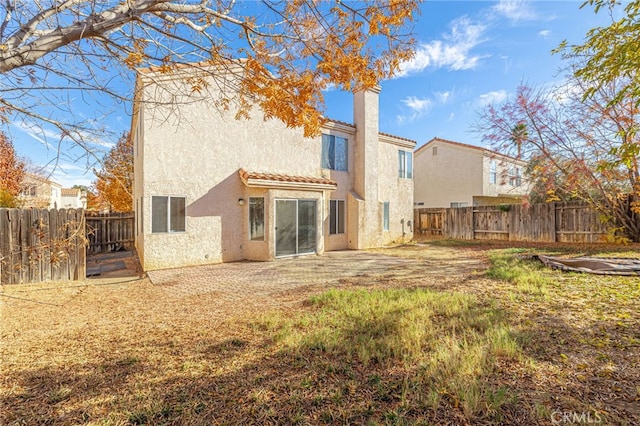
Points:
x=471, y=334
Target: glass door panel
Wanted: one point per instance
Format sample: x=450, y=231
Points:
x=286, y=238
x=295, y=227
x=306, y=226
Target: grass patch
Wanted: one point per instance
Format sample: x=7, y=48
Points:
x=447, y=344
x=529, y=276
x=447, y=242
x=437, y=340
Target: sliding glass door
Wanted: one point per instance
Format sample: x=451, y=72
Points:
x=296, y=231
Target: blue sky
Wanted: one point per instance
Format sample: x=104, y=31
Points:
x=469, y=54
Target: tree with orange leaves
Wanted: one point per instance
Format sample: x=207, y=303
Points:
x=115, y=181
x=289, y=52
x=12, y=171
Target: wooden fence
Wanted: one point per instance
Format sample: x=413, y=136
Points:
x=39, y=245
x=109, y=232
x=544, y=222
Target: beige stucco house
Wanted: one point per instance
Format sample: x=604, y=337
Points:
x=210, y=188
x=454, y=174
x=73, y=198
x=39, y=192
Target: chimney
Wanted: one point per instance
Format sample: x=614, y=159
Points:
x=365, y=118
x=367, y=232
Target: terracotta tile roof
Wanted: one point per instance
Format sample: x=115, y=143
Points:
x=280, y=178
x=344, y=123
x=202, y=65
x=70, y=192
x=397, y=137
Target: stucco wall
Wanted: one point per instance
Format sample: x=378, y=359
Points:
x=197, y=155
x=454, y=174
x=502, y=186
x=196, y=151
x=398, y=192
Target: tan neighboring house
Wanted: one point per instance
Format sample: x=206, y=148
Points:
x=73, y=198
x=209, y=188
x=454, y=174
x=40, y=193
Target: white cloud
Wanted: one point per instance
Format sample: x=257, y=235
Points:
x=35, y=132
x=493, y=97
x=515, y=10
x=452, y=52
x=444, y=97
x=419, y=107
x=544, y=33
x=452, y=116
x=564, y=91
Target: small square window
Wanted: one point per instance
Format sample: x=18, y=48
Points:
x=168, y=214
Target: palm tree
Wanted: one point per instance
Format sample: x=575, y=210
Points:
x=519, y=134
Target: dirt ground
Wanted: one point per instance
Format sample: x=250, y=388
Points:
x=72, y=352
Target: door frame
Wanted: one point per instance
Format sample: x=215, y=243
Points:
x=297, y=244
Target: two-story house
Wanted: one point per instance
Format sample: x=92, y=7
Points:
x=39, y=192
x=211, y=188
x=453, y=174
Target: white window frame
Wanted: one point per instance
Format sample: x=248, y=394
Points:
x=515, y=178
x=169, y=229
x=334, y=212
x=405, y=164
x=459, y=204
x=493, y=172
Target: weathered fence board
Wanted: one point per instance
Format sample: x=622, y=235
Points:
x=458, y=223
x=429, y=221
x=576, y=222
x=545, y=222
x=110, y=232
x=41, y=245
x=490, y=223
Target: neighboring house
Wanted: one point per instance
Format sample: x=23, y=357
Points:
x=453, y=174
x=39, y=192
x=209, y=188
x=73, y=198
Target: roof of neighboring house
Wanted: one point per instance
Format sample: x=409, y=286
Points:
x=32, y=177
x=465, y=145
x=70, y=192
x=275, y=179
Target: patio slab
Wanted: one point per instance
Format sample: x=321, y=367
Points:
x=239, y=280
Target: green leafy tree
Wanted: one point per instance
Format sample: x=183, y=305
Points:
x=610, y=54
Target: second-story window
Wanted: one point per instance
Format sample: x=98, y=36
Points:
x=514, y=176
x=405, y=164
x=493, y=172
x=334, y=152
